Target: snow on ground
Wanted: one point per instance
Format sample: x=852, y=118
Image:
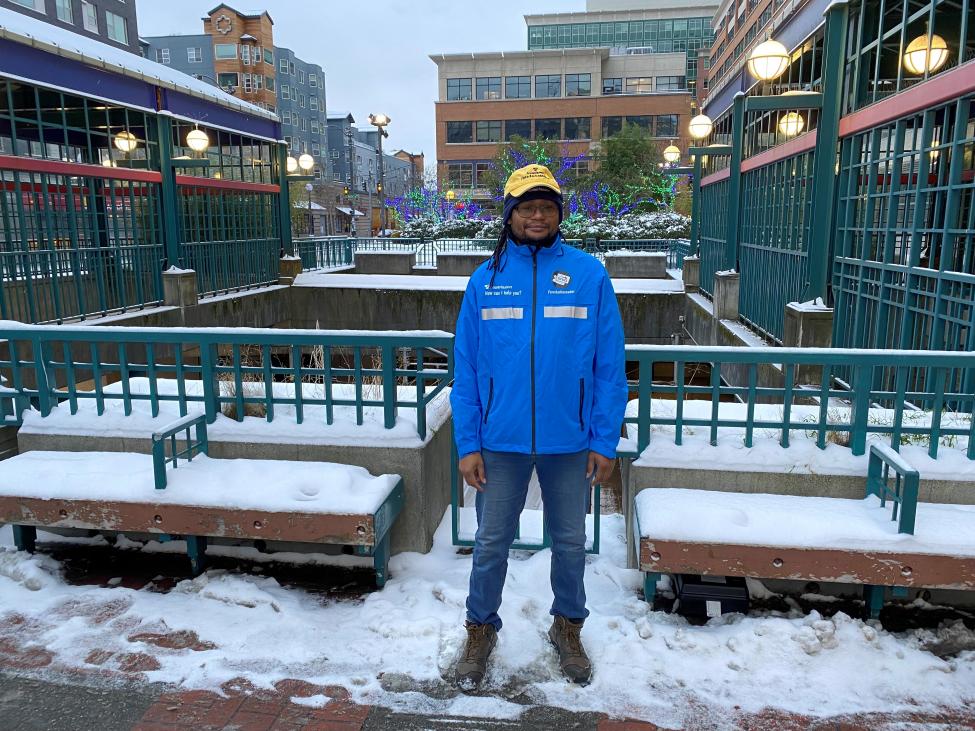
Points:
x=802, y=456
x=283, y=429
x=395, y=647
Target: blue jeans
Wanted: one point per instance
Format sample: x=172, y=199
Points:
x=565, y=493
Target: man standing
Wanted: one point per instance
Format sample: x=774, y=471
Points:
x=539, y=383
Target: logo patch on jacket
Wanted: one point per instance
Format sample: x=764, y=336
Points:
x=561, y=279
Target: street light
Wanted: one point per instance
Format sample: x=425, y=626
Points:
x=308, y=187
x=197, y=140
x=292, y=165
x=768, y=60
x=306, y=162
x=126, y=142
x=792, y=124
x=920, y=57
x=700, y=127
x=672, y=154
x=380, y=122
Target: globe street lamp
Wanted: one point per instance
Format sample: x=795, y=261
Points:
x=380, y=121
x=197, y=140
x=922, y=56
x=306, y=162
x=792, y=124
x=700, y=127
x=292, y=165
x=672, y=154
x=768, y=60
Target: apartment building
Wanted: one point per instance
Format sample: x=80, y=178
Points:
x=583, y=76
x=110, y=21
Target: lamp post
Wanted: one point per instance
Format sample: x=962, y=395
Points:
x=380, y=121
x=311, y=228
x=350, y=136
x=370, y=202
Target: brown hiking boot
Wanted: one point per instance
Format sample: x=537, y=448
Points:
x=481, y=639
x=573, y=660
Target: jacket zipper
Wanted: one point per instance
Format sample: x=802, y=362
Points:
x=487, y=411
x=534, y=300
x=582, y=397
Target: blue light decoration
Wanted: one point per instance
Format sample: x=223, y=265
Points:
x=431, y=203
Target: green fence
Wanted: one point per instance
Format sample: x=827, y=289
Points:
x=809, y=399
x=324, y=252
x=270, y=373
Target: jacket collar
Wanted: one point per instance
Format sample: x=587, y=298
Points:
x=526, y=249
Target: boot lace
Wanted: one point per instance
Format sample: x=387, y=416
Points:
x=573, y=639
x=476, y=637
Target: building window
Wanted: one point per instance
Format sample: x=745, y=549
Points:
x=489, y=87
x=548, y=86
x=268, y=56
x=301, y=101
x=639, y=85
x=162, y=55
x=245, y=54
x=65, y=12
x=489, y=131
x=89, y=16
x=578, y=84
x=314, y=125
x=460, y=174
x=517, y=87
x=225, y=50
x=287, y=141
x=612, y=86
x=548, y=129
x=228, y=80
x=291, y=68
x=269, y=83
x=258, y=82
x=577, y=169
x=578, y=128
x=335, y=154
x=248, y=84
x=667, y=125
x=194, y=55
x=482, y=172
x=313, y=80
x=301, y=76
x=460, y=132
x=671, y=83
x=37, y=5
x=313, y=103
x=458, y=90
x=286, y=116
x=612, y=126
x=285, y=92
x=520, y=127
x=643, y=121
x=283, y=66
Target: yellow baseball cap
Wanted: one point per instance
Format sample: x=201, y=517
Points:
x=531, y=176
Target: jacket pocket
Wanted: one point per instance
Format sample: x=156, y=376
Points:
x=582, y=400
x=487, y=411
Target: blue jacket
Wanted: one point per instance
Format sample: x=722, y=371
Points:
x=539, y=362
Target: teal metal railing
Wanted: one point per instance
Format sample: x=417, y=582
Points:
x=261, y=372
x=831, y=396
x=324, y=252
x=194, y=431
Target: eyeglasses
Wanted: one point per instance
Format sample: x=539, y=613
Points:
x=527, y=210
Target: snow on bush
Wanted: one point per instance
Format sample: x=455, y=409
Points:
x=428, y=227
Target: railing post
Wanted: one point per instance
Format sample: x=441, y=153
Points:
x=696, y=208
x=827, y=135
x=284, y=200
x=390, y=395
x=169, y=199
x=860, y=408
x=734, y=182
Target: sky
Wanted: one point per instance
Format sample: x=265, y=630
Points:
x=376, y=54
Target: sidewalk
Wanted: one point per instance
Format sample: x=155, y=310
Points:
x=60, y=703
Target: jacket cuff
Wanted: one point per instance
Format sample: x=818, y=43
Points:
x=466, y=448
x=607, y=449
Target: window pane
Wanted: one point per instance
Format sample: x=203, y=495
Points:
x=458, y=89
x=489, y=87
x=639, y=85
x=548, y=85
x=612, y=125
x=548, y=129
x=460, y=132
x=578, y=84
x=225, y=50
x=520, y=127
x=65, y=14
x=667, y=125
x=612, y=86
x=643, y=121
x=578, y=128
x=489, y=131
x=517, y=87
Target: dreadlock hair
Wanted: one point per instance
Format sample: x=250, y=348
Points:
x=496, y=265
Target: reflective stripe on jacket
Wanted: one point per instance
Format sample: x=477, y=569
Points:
x=539, y=362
